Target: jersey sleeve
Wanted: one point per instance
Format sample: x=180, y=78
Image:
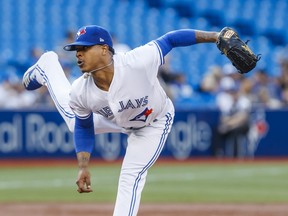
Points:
x=84, y=127
x=84, y=138
x=178, y=38
x=77, y=102
x=148, y=57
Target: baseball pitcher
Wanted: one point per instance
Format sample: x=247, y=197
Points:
x=117, y=93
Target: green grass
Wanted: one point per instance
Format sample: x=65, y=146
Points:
x=219, y=183
x=199, y=182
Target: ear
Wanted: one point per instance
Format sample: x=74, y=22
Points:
x=105, y=50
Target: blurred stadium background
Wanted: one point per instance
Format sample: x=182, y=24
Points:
x=43, y=23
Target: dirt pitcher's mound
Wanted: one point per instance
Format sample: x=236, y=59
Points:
x=76, y=209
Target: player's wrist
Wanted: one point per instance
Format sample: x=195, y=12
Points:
x=206, y=37
x=83, y=159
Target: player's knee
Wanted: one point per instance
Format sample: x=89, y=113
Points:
x=130, y=175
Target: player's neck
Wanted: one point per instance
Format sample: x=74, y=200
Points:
x=103, y=78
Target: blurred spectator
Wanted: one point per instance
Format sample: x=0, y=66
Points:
x=282, y=58
x=284, y=97
x=234, y=120
x=174, y=82
x=266, y=90
x=16, y=67
x=180, y=89
x=166, y=73
x=283, y=78
x=266, y=100
x=246, y=89
x=211, y=80
x=13, y=95
x=230, y=71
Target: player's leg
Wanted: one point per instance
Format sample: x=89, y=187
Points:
x=48, y=72
x=143, y=149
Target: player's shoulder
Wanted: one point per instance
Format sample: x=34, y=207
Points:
x=77, y=82
x=140, y=51
x=78, y=85
x=150, y=45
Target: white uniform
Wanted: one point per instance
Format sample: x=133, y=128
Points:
x=135, y=97
x=135, y=104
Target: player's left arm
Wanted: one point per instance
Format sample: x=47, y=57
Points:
x=185, y=37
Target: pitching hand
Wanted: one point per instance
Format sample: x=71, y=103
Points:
x=83, y=181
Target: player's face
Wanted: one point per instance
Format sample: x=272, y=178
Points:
x=90, y=57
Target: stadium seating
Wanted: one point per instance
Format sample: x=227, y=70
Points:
x=42, y=23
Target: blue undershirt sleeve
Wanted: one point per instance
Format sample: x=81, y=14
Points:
x=84, y=138
x=178, y=38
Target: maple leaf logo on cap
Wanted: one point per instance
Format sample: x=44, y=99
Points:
x=81, y=32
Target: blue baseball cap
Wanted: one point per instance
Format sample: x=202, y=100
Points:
x=89, y=36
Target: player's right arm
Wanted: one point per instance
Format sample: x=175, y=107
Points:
x=83, y=179
x=84, y=139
